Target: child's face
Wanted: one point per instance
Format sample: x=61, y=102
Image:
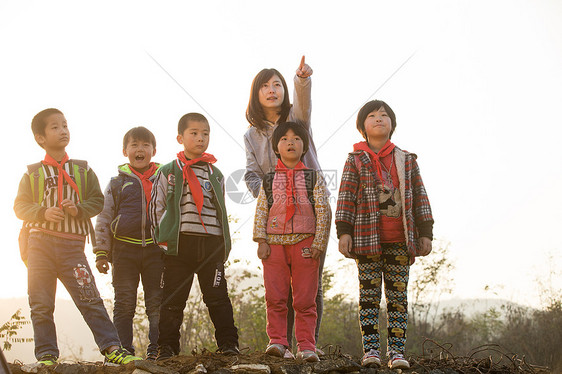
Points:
x=378, y=125
x=272, y=93
x=195, y=139
x=290, y=148
x=56, y=136
x=140, y=153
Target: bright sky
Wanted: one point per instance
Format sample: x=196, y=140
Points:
x=476, y=87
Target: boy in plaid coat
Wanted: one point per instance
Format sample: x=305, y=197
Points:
x=383, y=221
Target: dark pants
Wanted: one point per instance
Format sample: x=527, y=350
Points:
x=132, y=263
x=202, y=255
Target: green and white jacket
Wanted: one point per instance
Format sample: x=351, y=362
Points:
x=165, y=209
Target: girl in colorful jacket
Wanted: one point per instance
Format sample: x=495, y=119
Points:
x=383, y=221
x=291, y=226
x=268, y=106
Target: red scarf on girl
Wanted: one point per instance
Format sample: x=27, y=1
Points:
x=61, y=174
x=192, y=181
x=145, y=180
x=289, y=189
x=376, y=157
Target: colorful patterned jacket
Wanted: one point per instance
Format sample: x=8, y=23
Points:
x=358, y=213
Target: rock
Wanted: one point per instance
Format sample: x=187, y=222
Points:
x=153, y=368
x=251, y=368
x=65, y=368
x=199, y=369
x=140, y=371
x=294, y=369
x=340, y=365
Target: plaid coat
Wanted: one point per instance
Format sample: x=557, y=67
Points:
x=358, y=213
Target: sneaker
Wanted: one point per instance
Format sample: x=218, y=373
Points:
x=371, y=359
x=165, y=352
x=45, y=360
x=279, y=350
x=229, y=349
x=308, y=356
x=320, y=352
x=397, y=361
x=120, y=356
x=151, y=356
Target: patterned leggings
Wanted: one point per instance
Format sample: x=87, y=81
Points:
x=393, y=265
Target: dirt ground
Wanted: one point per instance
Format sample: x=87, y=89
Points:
x=209, y=362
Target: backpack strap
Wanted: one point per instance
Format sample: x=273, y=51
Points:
x=37, y=181
x=310, y=177
x=267, y=188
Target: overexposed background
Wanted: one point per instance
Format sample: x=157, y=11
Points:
x=476, y=87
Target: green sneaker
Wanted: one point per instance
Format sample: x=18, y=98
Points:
x=48, y=360
x=45, y=360
x=120, y=356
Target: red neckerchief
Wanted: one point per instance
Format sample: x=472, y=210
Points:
x=145, y=180
x=61, y=174
x=289, y=189
x=192, y=181
x=376, y=157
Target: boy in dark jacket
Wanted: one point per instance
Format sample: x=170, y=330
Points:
x=190, y=223
x=56, y=199
x=123, y=232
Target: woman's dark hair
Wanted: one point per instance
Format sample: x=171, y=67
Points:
x=372, y=106
x=281, y=130
x=39, y=122
x=254, y=112
x=139, y=133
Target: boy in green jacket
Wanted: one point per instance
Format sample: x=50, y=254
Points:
x=190, y=223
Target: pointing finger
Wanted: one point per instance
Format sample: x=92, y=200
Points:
x=302, y=63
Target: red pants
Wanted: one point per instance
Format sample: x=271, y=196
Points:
x=286, y=267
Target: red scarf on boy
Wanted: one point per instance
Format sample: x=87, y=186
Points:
x=61, y=174
x=376, y=157
x=145, y=180
x=289, y=189
x=192, y=181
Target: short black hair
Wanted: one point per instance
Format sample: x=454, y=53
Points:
x=139, y=133
x=282, y=129
x=370, y=107
x=39, y=122
x=197, y=117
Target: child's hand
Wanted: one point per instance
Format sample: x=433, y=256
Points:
x=102, y=265
x=424, y=247
x=263, y=251
x=316, y=253
x=304, y=70
x=69, y=207
x=345, y=245
x=54, y=214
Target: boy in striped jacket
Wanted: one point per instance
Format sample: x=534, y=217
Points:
x=56, y=199
x=383, y=221
x=190, y=223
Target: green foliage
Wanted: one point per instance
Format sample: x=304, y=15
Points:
x=9, y=331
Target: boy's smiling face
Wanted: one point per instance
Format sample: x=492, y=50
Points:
x=57, y=135
x=195, y=139
x=140, y=153
x=290, y=148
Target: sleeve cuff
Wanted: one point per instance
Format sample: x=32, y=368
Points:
x=343, y=228
x=425, y=229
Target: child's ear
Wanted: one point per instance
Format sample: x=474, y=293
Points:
x=153, y=152
x=125, y=152
x=180, y=139
x=40, y=139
